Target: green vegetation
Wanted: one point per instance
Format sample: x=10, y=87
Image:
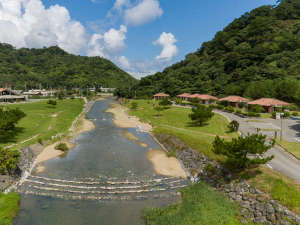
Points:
x=53, y=67
x=257, y=55
x=279, y=187
x=8, y=120
x=134, y=106
x=238, y=150
x=51, y=102
x=201, y=114
x=62, y=147
x=43, y=122
x=200, y=205
x=292, y=147
x=8, y=161
x=9, y=205
x=233, y=126
x=175, y=121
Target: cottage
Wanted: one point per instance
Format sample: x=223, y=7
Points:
x=269, y=104
x=184, y=96
x=234, y=100
x=160, y=96
x=204, y=99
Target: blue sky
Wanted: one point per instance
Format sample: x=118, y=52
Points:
x=141, y=36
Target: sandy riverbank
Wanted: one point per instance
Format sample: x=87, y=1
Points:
x=123, y=120
x=164, y=165
x=49, y=152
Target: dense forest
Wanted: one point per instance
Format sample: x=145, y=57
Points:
x=257, y=55
x=55, y=68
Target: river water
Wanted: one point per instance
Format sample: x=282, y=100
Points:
x=105, y=180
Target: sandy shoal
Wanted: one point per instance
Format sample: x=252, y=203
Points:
x=164, y=165
x=49, y=152
x=131, y=137
x=123, y=120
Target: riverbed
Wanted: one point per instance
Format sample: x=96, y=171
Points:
x=106, y=179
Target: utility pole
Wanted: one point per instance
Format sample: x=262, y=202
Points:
x=281, y=118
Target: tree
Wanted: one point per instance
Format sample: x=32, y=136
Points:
x=243, y=152
x=8, y=160
x=8, y=120
x=233, y=126
x=201, y=114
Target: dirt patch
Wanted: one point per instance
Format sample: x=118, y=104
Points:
x=123, y=120
x=164, y=165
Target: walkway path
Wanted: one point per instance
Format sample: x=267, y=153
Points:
x=282, y=162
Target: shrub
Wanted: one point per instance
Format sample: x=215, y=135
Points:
x=286, y=114
x=229, y=109
x=40, y=141
x=224, y=103
x=165, y=102
x=62, y=147
x=239, y=149
x=51, y=102
x=241, y=105
x=178, y=101
x=295, y=114
x=238, y=111
x=134, y=105
x=274, y=115
x=233, y=126
x=8, y=160
x=256, y=109
x=171, y=154
x=253, y=114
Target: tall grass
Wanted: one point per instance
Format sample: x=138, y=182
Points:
x=200, y=205
x=9, y=206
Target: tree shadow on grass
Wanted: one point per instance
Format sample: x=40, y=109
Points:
x=194, y=124
x=10, y=136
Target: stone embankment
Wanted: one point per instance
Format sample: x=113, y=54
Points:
x=255, y=205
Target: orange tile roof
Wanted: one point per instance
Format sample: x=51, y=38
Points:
x=268, y=102
x=203, y=97
x=161, y=95
x=234, y=98
x=2, y=89
x=184, y=95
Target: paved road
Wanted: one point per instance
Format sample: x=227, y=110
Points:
x=283, y=162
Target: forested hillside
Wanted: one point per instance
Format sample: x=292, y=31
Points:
x=257, y=55
x=53, y=67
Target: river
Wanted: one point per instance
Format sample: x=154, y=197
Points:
x=105, y=180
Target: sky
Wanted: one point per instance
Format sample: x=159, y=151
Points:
x=140, y=36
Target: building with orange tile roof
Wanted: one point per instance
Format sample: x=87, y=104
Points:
x=160, y=96
x=269, y=104
x=234, y=100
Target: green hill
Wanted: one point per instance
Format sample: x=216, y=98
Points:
x=257, y=55
x=53, y=67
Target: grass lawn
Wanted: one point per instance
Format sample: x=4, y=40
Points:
x=200, y=205
x=292, y=147
x=44, y=121
x=9, y=206
x=175, y=121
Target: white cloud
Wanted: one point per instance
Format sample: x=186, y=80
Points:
x=169, y=49
x=119, y=4
x=27, y=23
x=124, y=62
x=145, y=11
x=107, y=44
